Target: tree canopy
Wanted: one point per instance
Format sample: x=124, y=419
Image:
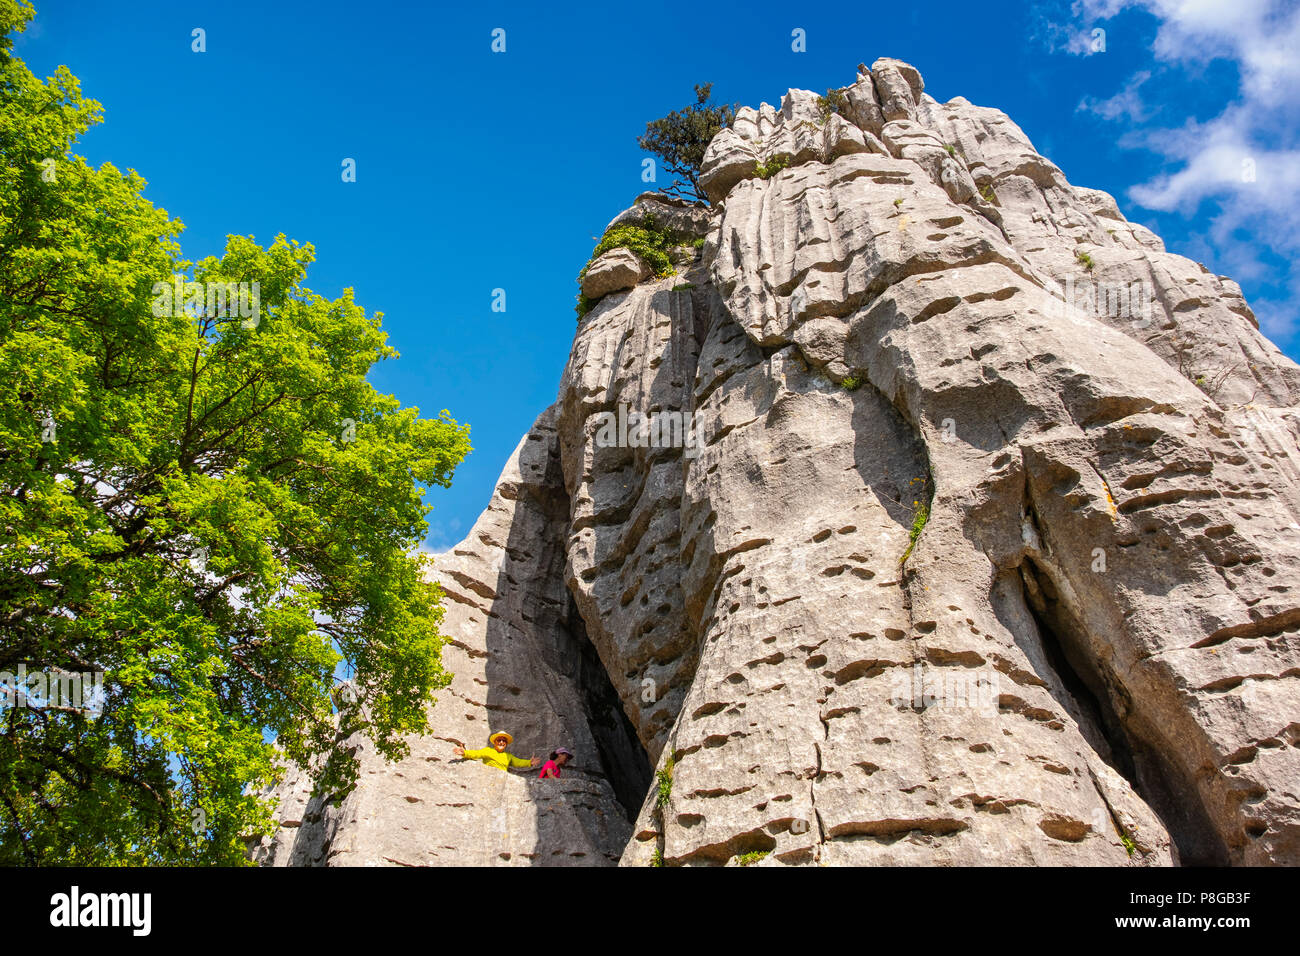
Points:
x=207, y=504
x=681, y=137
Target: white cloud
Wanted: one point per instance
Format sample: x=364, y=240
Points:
x=1086, y=42
x=1126, y=104
x=1072, y=38
x=1245, y=162
x=1259, y=35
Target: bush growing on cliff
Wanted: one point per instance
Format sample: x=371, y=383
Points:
x=681, y=137
x=919, y=520
x=650, y=244
x=771, y=167
x=833, y=102
x=921, y=514
x=664, y=783
x=208, y=510
x=647, y=240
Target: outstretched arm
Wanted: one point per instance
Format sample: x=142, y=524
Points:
x=521, y=761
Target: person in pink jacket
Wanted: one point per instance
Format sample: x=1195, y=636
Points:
x=559, y=757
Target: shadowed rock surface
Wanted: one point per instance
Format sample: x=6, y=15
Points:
x=983, y=547
x=522, y=664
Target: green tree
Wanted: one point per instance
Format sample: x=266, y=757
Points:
x=212, y=509
x=681, y=137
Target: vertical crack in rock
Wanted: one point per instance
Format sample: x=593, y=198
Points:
x=1100, y=704
x=621, y=755
x=1085, y=694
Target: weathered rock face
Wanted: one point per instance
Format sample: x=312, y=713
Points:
x=980, y=544
x=614, y=271
x=521, y=664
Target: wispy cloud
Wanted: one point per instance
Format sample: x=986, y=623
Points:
x=442, y=537
x=1072, y=37
x=1242, y=166
x=1126, y=104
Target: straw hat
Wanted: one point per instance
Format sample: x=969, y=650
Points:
x=492, y=738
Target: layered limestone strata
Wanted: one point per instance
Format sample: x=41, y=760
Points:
x=988, y=552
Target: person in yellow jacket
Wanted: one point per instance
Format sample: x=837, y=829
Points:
x=495, y=755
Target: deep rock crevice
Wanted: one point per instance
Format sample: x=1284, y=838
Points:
x=621, y=756
x=1096, y=701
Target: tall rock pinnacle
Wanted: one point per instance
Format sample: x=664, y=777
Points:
x=980, y=544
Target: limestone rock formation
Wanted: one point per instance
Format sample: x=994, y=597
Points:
x=977, y=540
x=614, y=271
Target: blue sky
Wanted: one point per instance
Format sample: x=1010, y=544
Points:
x=479, y=171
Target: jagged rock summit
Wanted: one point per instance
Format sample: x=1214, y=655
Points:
x=982, y=545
